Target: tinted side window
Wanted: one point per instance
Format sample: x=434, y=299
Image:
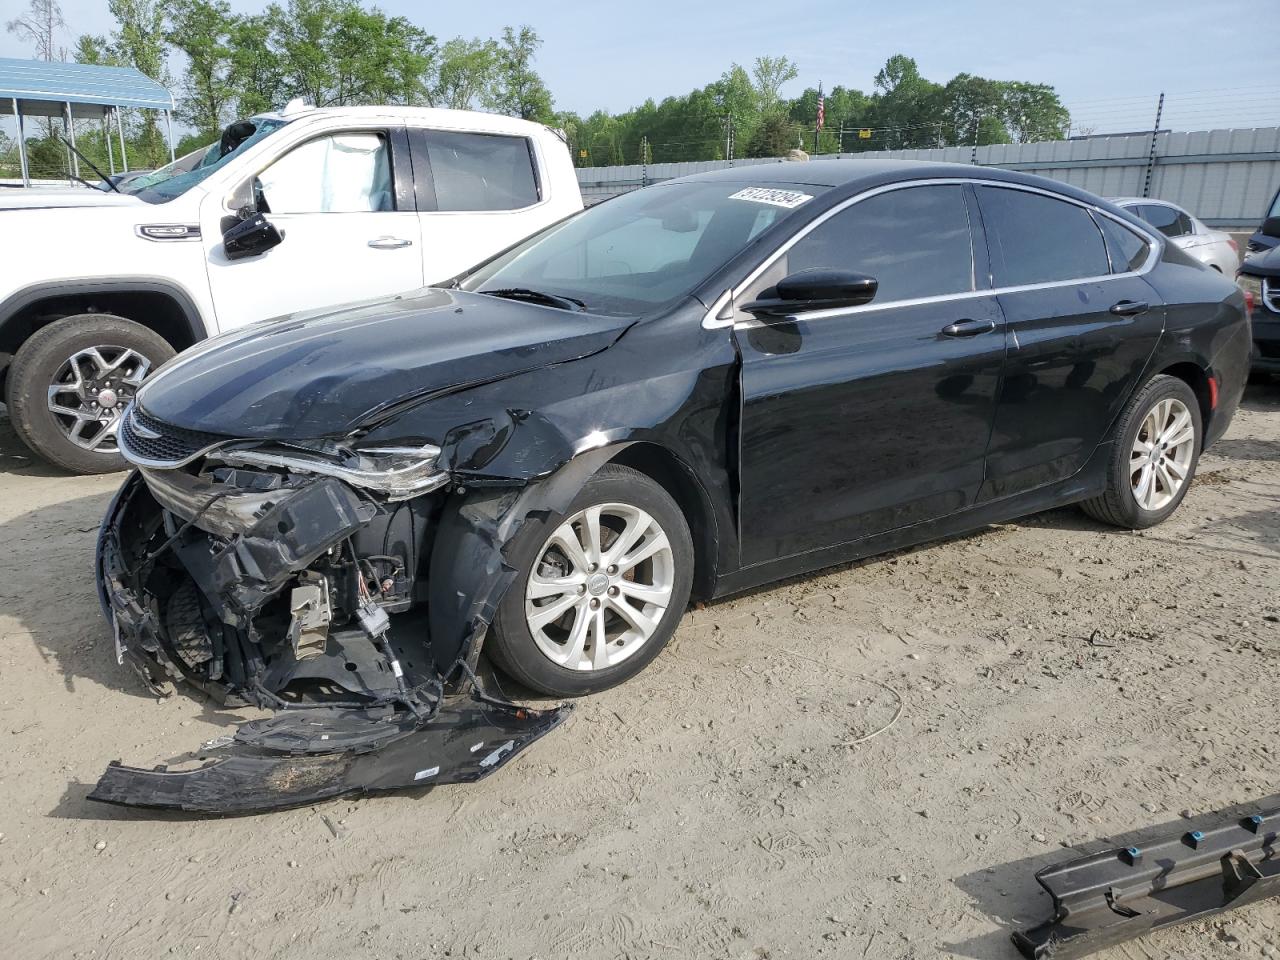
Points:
x=1170, y=222
x=1037, y=239
x=915, y=242
x=340, y=173
x=478, y=171
x=1128, y=250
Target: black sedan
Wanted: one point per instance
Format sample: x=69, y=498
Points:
x=684, y=392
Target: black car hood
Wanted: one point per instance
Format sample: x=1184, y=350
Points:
x=1263, y=264
x=326, y=373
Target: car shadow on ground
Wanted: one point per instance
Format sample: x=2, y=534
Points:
x=1010, y=896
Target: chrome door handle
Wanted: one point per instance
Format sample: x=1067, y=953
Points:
x=968, y=328
x=390, y=243
x=1130, y=308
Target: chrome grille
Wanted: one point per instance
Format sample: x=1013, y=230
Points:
x=1271, y=293
x=148, y=442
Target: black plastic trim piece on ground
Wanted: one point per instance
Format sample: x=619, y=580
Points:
x=1110, y=897
x=303, y=756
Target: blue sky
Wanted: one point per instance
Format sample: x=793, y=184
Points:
x=1108, y=60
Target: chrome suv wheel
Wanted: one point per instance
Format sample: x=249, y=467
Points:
x=70, y=382
x=90, y=391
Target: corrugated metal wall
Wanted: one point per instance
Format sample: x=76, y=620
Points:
x=1224, y=177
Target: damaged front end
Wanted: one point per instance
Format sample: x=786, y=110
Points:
x=289, y=579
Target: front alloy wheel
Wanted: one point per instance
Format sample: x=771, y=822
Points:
x=600, y=587
x=601, y=590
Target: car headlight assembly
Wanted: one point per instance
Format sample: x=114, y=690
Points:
x=397, y=473
x=1252, y=286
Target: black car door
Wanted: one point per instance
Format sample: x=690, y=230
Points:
x=1082, y=324
x=860, y=420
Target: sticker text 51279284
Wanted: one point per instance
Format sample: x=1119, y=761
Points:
x=776, y=198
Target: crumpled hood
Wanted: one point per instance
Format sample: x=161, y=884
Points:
x=326, y=373
x=52, y=198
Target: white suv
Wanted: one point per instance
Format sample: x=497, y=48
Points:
x=290, y=211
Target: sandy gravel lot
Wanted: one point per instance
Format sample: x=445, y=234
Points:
x=1059, y=682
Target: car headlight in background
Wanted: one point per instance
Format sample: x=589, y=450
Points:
x=1252, y=287
x=397, y=473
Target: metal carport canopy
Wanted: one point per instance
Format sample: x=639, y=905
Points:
x=44, y=88
x=78, y=91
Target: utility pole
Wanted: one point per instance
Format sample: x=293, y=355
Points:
x=644, y=160
x=1151, y=157
x=973, y=153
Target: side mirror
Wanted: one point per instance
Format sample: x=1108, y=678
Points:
x=1271, y=227
x=250, y=237
x=814, y=290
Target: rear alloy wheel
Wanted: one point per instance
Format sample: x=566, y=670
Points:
x=601, y=591
x=1155, y=451
x=71, y=382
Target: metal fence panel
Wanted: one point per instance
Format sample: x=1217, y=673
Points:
x=1224, y=177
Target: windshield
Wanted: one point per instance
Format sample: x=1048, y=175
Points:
x=645, y=250
x=184, y=173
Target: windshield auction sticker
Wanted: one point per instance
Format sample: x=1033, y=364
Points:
x=790, y=199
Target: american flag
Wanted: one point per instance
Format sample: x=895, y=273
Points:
x=822, y=108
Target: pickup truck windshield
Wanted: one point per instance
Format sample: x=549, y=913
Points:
x=642, y=252
x=184, y=173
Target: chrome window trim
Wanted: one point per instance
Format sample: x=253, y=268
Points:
x=1155, y=250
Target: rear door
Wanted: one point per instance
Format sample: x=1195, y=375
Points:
x=344, y=204
x=478, y=194
x=1081, y=322
x=860, y=420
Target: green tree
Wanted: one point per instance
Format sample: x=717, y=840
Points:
x=466, y=72
x=519, y=91
x=256, y=72
x=776, y=134
x=770, y=74
x=200, y=29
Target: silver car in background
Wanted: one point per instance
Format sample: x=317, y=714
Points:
x=1211, y=247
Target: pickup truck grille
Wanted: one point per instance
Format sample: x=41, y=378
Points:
x=148, y=442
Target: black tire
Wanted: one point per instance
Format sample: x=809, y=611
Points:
x=1118, y=506
x=37, y=363
x=510, y=644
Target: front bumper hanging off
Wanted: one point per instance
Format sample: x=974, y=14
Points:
x=436, y=730
x=300, y=757
x=1110, y=897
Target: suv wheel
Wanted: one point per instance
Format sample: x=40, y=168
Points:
x=70, y=382
x=1156, y=448
x=600, y=590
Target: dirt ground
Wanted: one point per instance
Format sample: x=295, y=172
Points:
x=1059, y=682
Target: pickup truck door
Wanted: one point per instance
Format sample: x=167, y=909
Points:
x=344, y=203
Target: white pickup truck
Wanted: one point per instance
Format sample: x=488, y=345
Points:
x=290, y=211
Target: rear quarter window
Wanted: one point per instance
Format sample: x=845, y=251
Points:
x=481, y=171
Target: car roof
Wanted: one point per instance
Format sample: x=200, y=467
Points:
x=476, y=120
x=851, y=175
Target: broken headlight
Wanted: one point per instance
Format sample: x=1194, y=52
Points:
x=397, y=473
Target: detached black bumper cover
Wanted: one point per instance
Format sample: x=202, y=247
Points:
x=300, y=757
x=1115, y=896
